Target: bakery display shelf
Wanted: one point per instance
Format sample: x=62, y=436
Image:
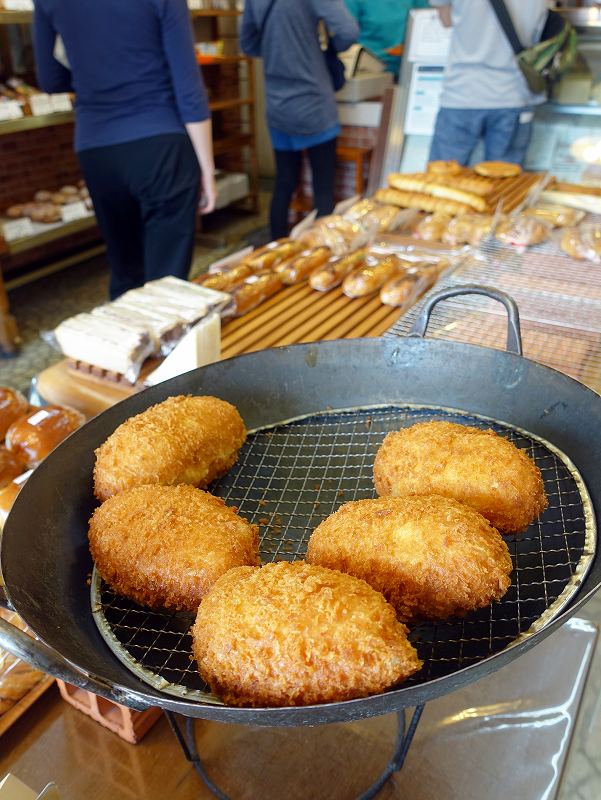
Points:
x=232, y=102
x=33, y=123
x=50, y=233
x=21, y=706
x=15, y=17
x=588, y=109
x=209, y=60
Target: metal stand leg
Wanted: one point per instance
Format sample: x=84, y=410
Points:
x=187, y=742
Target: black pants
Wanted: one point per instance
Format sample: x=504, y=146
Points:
x=145, y=196
x=322, y=158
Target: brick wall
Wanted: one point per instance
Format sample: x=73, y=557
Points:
x=34, y=160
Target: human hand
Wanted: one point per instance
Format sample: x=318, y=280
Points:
x=208, y=193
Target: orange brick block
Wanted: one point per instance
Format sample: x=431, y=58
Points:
x=125, y=722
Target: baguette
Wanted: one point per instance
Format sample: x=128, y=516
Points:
x=269, y=257
x=423, y=202
x=301, y=267
x=404, y=289
x=370, y=279
x=421, y=183
x=475, y=184
x=252, y=293
x=228, y=280
x=335, y=271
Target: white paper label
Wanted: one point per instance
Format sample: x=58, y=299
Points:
x=18, y=5
x=41, y=104
x=17, y=229
x=194, y=5
x=74, y=211
x=10, y=110
x=61, y=102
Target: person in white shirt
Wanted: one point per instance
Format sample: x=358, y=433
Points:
x=485, y=96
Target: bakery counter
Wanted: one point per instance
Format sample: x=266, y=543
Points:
x=294, y=315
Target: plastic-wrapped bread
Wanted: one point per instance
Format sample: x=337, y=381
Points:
x=341, y=235
x=227, y=280
x=301, y=267
x=104, y=343
x=556, y=216
x=432, y=227
x=407, y=288
x=423, y=202
x=268, y=257
x=423, y=184
x=335, y=271
x=254, y=290
x=371, y=278
x=189, y=310
x=468, y=229
x=522, y=231
x=188, y=291
x=164, y=332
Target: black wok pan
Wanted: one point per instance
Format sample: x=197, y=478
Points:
x=344, y=395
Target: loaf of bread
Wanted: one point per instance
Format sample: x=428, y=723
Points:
x=46, y=213
x=468, y=183
x=250, y=294
x=423, y=202
x=59, y=199
x=425, y=185
x=522, y=231
x=335, y=271
x=43, y=196
x=371, y=278
x=556, y=216
x=15, y=212
x=468, y=229
x=273, y=254
x=301, y=267
x=406, y=289
x=444, y=168
x=432, y=227
x=228, y=280
x=12, y=406
x=32, y=437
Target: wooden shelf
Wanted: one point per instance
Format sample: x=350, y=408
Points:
x=51, y=235
x=221, y=146
x=235, y=102
x=16, y=17
x=26, y=17
x=215, y=12
x=214, y=60
x=34, y=123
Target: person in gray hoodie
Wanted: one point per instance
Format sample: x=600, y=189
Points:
x=301, y=102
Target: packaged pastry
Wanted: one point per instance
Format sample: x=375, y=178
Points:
x=522, y=231
x=405, y=289
x=371, y=278
x=335, y=270
x=15, y=212
x=228, y=280
x=469, y=229
x=583, y=243
x=43, y=196
x=300, y=268
x=556, y=216
x=32, y=437
x=46, y=213
x=254, y=291
x=341, y=235
x=432, y=227
x=272, y=254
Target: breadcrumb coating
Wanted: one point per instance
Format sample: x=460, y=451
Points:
x=476, y=467
x=431, y=557
x=165, y=546
x=293, y=634
x=192, y=440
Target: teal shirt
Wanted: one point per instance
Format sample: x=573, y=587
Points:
x=382, y=24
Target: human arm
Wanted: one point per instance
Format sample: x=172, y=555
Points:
x=250, y=34
x=52, y=76
x=201, y=136
x=342, y=27
x=444, y=12
x=189, y=90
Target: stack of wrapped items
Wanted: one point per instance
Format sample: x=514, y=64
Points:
x=119, y=336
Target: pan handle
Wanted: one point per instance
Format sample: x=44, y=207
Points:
x=44, y=658
x=514, y=335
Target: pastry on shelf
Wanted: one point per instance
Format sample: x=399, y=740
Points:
x=522, y=231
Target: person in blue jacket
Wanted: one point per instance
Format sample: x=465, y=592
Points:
x=301, y=103
x=143, y=128
x=383, y=24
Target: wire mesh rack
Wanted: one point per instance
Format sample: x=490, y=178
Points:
x=292, y=476
x=559, y=299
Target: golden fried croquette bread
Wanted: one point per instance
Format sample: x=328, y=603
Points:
x=476, y=467
x=165, y=546
x=296, y=634
x=191, y=440
x=431, y=557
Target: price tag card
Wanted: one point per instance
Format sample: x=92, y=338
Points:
x=194, y=5
x=10, y=110
x=74, y=211
x=41, y=104
x=18, y=5
x=18, y=229
x=61, y=102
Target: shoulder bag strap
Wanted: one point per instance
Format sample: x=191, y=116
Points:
x=506, y=23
